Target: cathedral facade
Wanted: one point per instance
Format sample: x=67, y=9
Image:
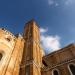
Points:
x=24, y=55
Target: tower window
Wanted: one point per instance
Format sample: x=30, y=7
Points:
x=8, y=39
x=72, y=69
x=1, y=56
x=55, y=72
x=27, y=70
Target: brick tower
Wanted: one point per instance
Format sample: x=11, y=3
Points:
x=32, y=55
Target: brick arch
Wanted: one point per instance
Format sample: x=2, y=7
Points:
x=55, y=72
x=71, y=68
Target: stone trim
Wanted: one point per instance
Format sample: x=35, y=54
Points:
x=8, y=32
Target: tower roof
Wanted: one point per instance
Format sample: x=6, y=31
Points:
x=31, y=22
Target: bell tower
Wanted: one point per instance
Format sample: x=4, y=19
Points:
x=32, y=55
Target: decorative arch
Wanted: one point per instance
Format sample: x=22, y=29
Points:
x=55, y=72
x=71, y=68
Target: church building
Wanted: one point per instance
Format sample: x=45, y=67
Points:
x=24, y=55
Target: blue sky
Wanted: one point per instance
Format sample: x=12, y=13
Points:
x=56, y=18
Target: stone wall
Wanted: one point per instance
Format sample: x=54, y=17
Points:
x=11, y=48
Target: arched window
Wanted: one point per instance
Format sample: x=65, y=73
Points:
x=72, y=69
x=55, y=72
x=1, y=56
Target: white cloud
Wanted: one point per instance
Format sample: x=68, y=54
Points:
x=56, y=4
x=53, y=2
x=67, y=2
x=43, y=30
x=50, y=43
x=60, y=2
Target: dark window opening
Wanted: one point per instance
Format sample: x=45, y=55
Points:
x=44, y=63
x=72, y=68
x=55, y=72
x=27, y=70
x=1, y=56
x=8, y=39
